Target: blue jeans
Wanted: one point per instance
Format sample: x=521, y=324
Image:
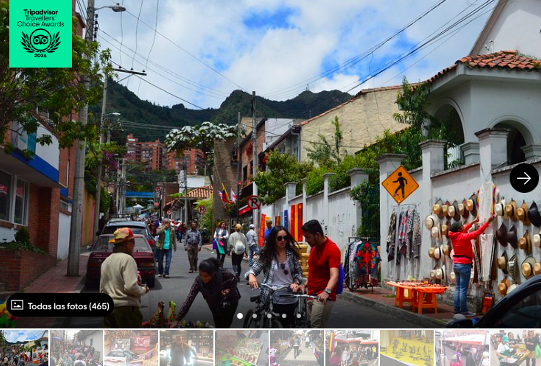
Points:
x=168, y=255
x=253, y=249
x=462, y=276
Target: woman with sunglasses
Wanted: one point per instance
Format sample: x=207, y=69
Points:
x=280, y=262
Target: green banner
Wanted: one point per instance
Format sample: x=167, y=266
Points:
x=40, y=33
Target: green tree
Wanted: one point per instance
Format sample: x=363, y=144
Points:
x=22, y=90
x=414, y=101
x=201, y=137
x=323, y=153
x=281, y=169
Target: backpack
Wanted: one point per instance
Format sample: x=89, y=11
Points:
x=240, y=248
x=340, y=285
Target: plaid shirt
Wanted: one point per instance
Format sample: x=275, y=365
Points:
x=258, y=266
x=193, y=238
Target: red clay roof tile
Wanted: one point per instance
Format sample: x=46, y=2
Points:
x=502, y=59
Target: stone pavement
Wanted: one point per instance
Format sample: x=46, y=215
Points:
x=305, y=358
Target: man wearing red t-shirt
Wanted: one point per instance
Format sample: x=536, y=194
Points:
x=323, y=273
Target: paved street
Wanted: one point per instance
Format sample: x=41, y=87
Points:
x=306, y=357
x=345, y=313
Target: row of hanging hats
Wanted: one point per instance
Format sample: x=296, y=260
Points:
x=527, y=215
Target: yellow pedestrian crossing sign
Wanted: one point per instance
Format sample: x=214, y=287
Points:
x=400, y=184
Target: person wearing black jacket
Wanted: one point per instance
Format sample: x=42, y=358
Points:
x=531, y=341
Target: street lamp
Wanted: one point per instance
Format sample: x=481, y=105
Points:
x=78, y=186
x=116, y=8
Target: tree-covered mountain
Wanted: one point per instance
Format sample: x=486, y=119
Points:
x=120, y=99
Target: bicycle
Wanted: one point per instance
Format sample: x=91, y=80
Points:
x=263, y=316
x=301, y=311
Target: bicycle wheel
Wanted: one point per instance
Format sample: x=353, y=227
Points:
x=275, y=323
x=250, y=321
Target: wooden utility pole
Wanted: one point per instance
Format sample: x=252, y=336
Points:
x=254, y=152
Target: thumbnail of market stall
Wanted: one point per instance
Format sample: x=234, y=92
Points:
x=510, y=348
x=409, y=347
x=241, y=347
x=360, y=349
x=461, y=344
x=130, y=348
x=197, y=345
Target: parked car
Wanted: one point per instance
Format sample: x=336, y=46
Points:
x=128, y=355
x=519, y=309
x=142, y=253
x=137, y=227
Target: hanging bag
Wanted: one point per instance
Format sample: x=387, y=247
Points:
x=537, y=353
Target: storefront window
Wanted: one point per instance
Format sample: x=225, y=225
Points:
x=21, y=194
x=5, y=189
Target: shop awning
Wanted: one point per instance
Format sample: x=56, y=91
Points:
x=468, y=339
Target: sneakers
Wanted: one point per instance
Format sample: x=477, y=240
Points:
x=160, y=275
x=468, y=314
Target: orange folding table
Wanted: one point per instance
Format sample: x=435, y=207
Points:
x=425, y=298
x=401, y=295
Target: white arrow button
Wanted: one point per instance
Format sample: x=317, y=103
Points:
x=527, y=178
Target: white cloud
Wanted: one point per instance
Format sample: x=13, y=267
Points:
x=278, y=58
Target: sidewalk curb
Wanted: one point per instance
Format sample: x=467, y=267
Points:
x=394, y=311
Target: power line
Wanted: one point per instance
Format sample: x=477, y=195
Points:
x=356, y=59
x=416, y=48
x=187, y=52
x=218, y=94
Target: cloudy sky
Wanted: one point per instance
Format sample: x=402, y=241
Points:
x=14, y=336
x=202, y=50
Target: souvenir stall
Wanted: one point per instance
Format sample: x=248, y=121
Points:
x=234, y=350
x=140, y=345
x=404, y=242
x=506, y=255
x=361, y=264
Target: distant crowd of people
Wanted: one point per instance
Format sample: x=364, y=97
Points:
x=69, y=354
x=15, y=356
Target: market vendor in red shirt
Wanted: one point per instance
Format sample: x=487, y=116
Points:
x=463, y=260
x=323, y=273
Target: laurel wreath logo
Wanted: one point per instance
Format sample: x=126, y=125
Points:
x=29, y=47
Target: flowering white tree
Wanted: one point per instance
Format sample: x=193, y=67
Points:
x=199, y=137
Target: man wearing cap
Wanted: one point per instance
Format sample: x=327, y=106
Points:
x=119, y=280
x=503, y=350
x=253, y=248
x=463, y=260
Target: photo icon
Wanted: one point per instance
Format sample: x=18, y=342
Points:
x=17, y=305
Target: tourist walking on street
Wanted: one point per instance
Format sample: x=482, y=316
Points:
x=219, y=243
x=237, y=246
x=219, y=289
x=463, y=260
x=345, y=356
x=280, y=263
x=531, y=341
x=193, y=245
x=296, y=345
x=323, y=273
x=253, y=247
x=268, y=229
x=119, y=280
x=166, y=244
